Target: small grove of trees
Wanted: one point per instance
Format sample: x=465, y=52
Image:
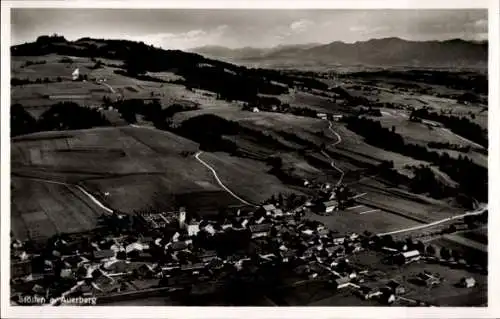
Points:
x=26, y=81
x=449, y=146
x=60, y=116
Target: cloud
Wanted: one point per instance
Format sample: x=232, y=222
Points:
x=482, y=23
x=301, y=25
x=183, y=40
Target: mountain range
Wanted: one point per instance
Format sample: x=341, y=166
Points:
x=374, y=52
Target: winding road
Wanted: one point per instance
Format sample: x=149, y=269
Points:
x=339, y=139
x=197, y=156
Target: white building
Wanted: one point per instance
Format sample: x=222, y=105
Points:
x=76, y=74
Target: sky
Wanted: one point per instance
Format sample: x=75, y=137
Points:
x=188, y=28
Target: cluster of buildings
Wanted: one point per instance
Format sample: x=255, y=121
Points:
x=160, y=252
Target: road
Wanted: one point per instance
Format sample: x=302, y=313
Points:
x=80, y=188
x=473, y=213
x=109, y=87
x=339, y=139
x=214, y=172
x=197, y=156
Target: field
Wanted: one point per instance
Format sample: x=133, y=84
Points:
x=357, y=221
x=137, y=168
x=478, y=235
x=41, y=209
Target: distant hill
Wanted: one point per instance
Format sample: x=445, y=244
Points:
x=221, y=52
x=229, y=81
x=374, y=52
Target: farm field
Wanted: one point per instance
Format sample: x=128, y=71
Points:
x=138, y=168
x=479, y=235
x=412, y=206
x=40, y=209
x=363, y=218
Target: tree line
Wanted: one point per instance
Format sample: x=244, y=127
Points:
x=471, y=177
x=60, y=116
x=458, y=125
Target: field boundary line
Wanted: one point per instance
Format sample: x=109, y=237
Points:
x=80, y=188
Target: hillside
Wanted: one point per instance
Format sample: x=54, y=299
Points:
x=374, y=52
x=131, y=129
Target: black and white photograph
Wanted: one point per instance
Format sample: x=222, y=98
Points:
x=246, y=157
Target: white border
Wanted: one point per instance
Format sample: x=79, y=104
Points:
x=491, y=311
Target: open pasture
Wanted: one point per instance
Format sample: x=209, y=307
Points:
x=362, y=219
x=41, y=209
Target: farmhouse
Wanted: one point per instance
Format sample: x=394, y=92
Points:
x=75, y=75
x=326, y=206
x=342, y=282
x=395, y=287
x=193, y=229
x=407, y=257
x=103, y=254
x=337, y=117
x=269, y=208
x=321, y=116
x=260, y=230
x=467, y=282
x=428, y=279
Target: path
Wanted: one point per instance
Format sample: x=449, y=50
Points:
x=80, y=188
x=197, y=156
x=109, y=87
x=473, y=213
x=339, y=139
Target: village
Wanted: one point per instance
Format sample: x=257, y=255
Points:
x=156, y=254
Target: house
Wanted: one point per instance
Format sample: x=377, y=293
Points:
x=269, y=208
x=193, y=267
x=261, y=230
x=428, y=279
x=329, y=206
x=407, y=257
x=323, y=233
x=193, y=229
x=277, y=213
x=337, y=117
x=339, y=241
x=103, y=254
x=322, y=116
x=210, y=229
x=342, y=282
x=368, y=292
x=146, y=270
x=260, y=220
x=134, y=247
x=395, y=287
x=467, y=282
x=288, y=255
x=75, y=75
